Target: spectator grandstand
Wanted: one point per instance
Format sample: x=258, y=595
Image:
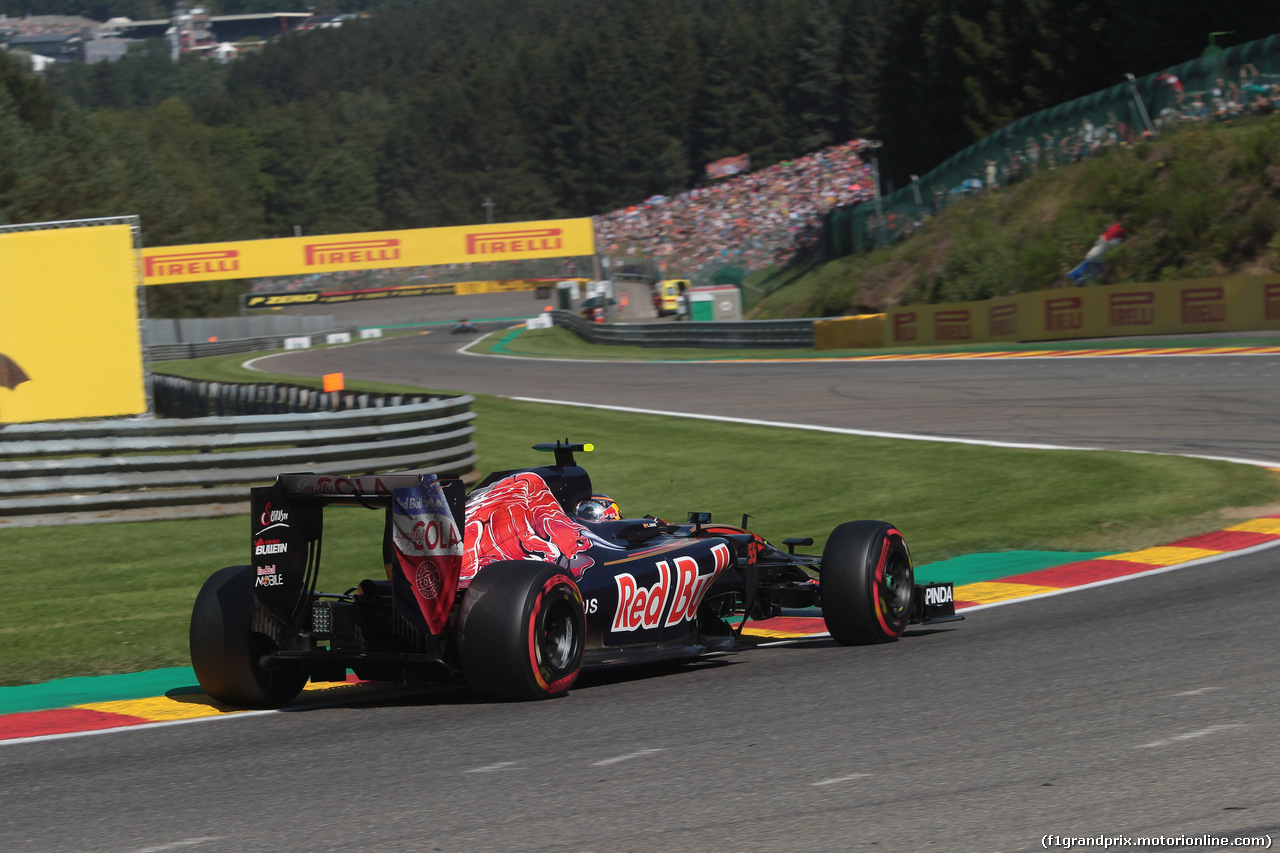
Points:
x=750, y=221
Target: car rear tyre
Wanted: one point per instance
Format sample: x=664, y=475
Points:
x=225, y=651
x=867, y=583
x=522, y=631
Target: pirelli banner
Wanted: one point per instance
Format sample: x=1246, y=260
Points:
x=70, y=344
x=421, y=247
x=1174, y=307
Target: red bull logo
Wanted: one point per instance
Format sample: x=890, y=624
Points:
x=643, y=607
x=190, y=263
x=507, y=242
x=1271, y=296
x=1135, y=308
x=519, y=519
x=1204, y=305
x=351, y=252
x=952, y=326
x=1002, y=319
x=1064, y=314
x=904, y=327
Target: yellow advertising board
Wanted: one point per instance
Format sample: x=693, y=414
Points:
x=853, y=332
x=1237, y=303
x=70, y=346
x=419, y=247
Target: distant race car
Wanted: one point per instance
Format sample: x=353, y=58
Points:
x=521, y=584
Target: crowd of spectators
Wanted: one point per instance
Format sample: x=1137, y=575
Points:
x=1221, y=99
x=1231, y=94
x=1227, y=97
x=749, y=221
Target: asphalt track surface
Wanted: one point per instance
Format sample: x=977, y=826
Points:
x=1143, y=708
x=1225, y=406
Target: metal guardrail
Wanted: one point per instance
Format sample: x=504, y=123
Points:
x=173, y=352
x=114, y=470
x=752, y=333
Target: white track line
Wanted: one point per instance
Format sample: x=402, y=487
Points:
x=904, y=436
x=493, y=768
x=783, y=425
x=839, y=779
x=178, y=845
x=1190, y=735
x=617, y=759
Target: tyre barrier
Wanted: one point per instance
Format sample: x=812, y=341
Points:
x=178, y=397
x=151, y=468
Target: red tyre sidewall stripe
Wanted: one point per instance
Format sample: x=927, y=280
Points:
x=535, y=665
x=875, y=588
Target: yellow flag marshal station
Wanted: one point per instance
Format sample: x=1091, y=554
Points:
x=418, y=247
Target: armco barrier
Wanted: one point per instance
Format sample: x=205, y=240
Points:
x=757, y=333
x=115, y=470
x=173, y=352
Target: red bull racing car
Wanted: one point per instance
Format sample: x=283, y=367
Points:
x=521, y=584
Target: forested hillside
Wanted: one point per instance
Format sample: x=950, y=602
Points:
x=416, y=114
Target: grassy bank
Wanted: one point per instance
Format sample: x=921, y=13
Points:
x=1201, y=201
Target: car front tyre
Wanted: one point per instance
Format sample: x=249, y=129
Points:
x=867, y=583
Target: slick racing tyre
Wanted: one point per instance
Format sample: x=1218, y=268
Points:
x=522, y=631
x=225, y=653
x=867, y=583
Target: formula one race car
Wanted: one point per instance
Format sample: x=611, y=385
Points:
x=519, y=585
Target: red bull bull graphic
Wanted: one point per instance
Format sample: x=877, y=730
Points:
x=428, y=548
x=519, y=519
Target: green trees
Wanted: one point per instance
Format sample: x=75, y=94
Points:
x=418, y=113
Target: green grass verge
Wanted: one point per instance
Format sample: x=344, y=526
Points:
x=230, y=368
x=98, y=599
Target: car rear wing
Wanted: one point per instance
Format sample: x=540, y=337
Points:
x=287, y=525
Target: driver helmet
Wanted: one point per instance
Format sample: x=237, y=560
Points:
x=597, y=508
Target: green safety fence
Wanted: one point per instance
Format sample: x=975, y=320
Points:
x=1230, y=83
